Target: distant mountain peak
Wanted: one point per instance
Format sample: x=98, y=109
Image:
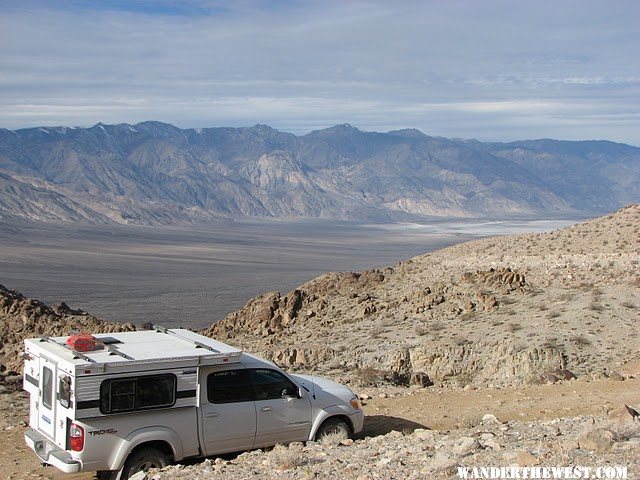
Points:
x=408, y=133
x=154, y=172
x=262, y=126
x=347, y=127
x=153, y=123
x=341, y=129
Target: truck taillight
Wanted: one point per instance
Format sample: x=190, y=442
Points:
x=76, y=437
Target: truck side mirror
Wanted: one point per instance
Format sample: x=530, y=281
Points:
x=291, y=393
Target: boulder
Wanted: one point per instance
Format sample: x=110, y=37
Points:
x=598, y=440
x=526, y=459
x=465, y=446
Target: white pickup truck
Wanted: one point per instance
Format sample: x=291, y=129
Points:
x=131, y=401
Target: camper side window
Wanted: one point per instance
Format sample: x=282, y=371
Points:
x=137, y=393
x=47, y=387
x=120, y=396
x=64, y=391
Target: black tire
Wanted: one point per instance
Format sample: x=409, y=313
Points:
x=334, y=428
x=106, y=475
x=142, y=460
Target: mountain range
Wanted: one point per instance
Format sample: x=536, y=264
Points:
x=156, y=173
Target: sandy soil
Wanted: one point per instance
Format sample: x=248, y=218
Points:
x=450, y=409
x=428, y=408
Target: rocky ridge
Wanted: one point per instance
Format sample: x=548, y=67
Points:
x=503, y=310
x=22, y=317
x=537, y=308
x=155, y=173
x=500, y=311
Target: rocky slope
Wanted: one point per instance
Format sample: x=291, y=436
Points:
x=21, y=318
x=154, y=173
x=570, y=442
x=536, y=309
x=499, y=311
x=504, y=310
x=571, y=423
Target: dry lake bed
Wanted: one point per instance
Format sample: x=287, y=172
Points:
x=195, y=275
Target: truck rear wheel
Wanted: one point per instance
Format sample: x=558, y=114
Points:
x=142, y=460
x=107, y=475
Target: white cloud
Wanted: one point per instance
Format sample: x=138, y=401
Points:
x=491, y=69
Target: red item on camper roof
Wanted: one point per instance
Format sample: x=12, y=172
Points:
x=82, y=342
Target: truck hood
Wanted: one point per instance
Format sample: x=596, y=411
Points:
x=325, y=391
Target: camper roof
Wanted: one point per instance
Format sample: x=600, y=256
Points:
x=159, y=345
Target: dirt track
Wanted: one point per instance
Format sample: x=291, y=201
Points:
x=430, y=408
x=449, y=409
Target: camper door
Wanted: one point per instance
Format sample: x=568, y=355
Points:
x=47, y=400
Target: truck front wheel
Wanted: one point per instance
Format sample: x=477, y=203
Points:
x=142, y=460
x=333, y=429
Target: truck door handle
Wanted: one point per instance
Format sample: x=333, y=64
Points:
x=211, y=415
x=266, y=409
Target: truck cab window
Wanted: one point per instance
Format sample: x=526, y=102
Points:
x=270, y=384
x=229, y=386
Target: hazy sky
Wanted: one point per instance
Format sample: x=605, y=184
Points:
x=486, y=69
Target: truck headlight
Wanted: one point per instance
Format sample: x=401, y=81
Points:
x=355, y=403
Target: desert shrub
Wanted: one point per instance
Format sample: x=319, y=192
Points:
x=596, y=307
x=580, y=340
x=389, y=321
x=285, y=458
x=332, y=438
x=469, y=316
x=376, y=332
x=551, y=342
x=436, y=327
x=421, y=330
x=622, y=430
x=374, y=377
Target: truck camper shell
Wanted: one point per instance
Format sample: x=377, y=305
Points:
x=120, y=402
x=126, y=352
x=76, y=379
